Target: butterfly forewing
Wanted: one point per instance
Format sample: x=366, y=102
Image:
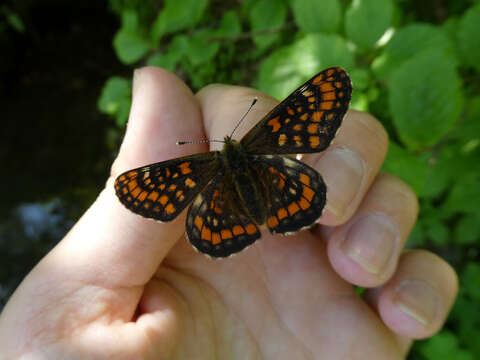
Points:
x=161, y=191
x=307, y=120
x=295, y=193
x=217, y=224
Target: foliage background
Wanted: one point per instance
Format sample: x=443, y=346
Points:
x=415, y=65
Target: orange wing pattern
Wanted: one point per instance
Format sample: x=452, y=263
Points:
x=161, y=191
x=307, y=120
x=217, y=225
x=295, y=193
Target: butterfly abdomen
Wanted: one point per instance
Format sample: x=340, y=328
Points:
x=236, y=164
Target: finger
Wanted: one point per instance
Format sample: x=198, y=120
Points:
x=350, y=165
x=118, y=245
x=223, y=106
x=416, y=301
x=365, y=250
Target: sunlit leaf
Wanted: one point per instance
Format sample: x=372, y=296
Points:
x=177, y=15
x=410, y=41
x=425, y=99
x=230, y=25
x=115, y=100
x=286, y=68
x=316, y=16
x=201, y=49
x=130, y=46
x=166, y=61
x=367, y=20
x=267, y=15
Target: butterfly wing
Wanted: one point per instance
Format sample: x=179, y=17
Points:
x=295, y=193
x=307, y=120
x=217, y=224
x=161, y=191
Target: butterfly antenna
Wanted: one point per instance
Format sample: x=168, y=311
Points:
x=198, y=141
x=243, y=117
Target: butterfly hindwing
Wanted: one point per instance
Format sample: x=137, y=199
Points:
x=217, y=224
x=162, y=190
x=307, y=120
x=295, y=193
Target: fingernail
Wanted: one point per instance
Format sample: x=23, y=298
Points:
x=370, y=242
x=417, y=299
x=343, y=171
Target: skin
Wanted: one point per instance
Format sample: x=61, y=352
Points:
x=124, y=287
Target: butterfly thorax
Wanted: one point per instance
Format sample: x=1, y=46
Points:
x=234, y=156
x=236, y=165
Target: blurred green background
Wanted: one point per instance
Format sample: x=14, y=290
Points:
x=65, y=87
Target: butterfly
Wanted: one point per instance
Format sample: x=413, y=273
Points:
x=251, y=182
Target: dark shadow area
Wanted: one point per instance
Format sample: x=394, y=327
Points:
x=53, y=140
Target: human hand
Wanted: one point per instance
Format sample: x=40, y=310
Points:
x=124, y=287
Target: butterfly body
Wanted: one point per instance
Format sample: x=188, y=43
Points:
x=236, y=164
x=251, y=182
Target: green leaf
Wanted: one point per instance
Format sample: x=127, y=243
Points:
x=359, y=101
x=179, y=45
x=267, y=15
x=425, y=105
x=417, y=37
x=468, y=129
x=230, y=25
x=467, y=230
x=468, y=37
x=167, y=61
x=444, y=346
x=367, y=20
x=450, y=27
x=286, y=68
x=115, y=100
x=465, y=194
x=316, y=16
x=246, y=7
x=130, y=46
x=129, y=20
x=466, y=316
x=408, y=167
x=437, y=231
x=361, y=78
x=440, y=172
x=471, y=277
x=178, y=48
x=416, y=238
x=408, y=42
x=200, y=49
x=15, y=21
x=177, y=15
